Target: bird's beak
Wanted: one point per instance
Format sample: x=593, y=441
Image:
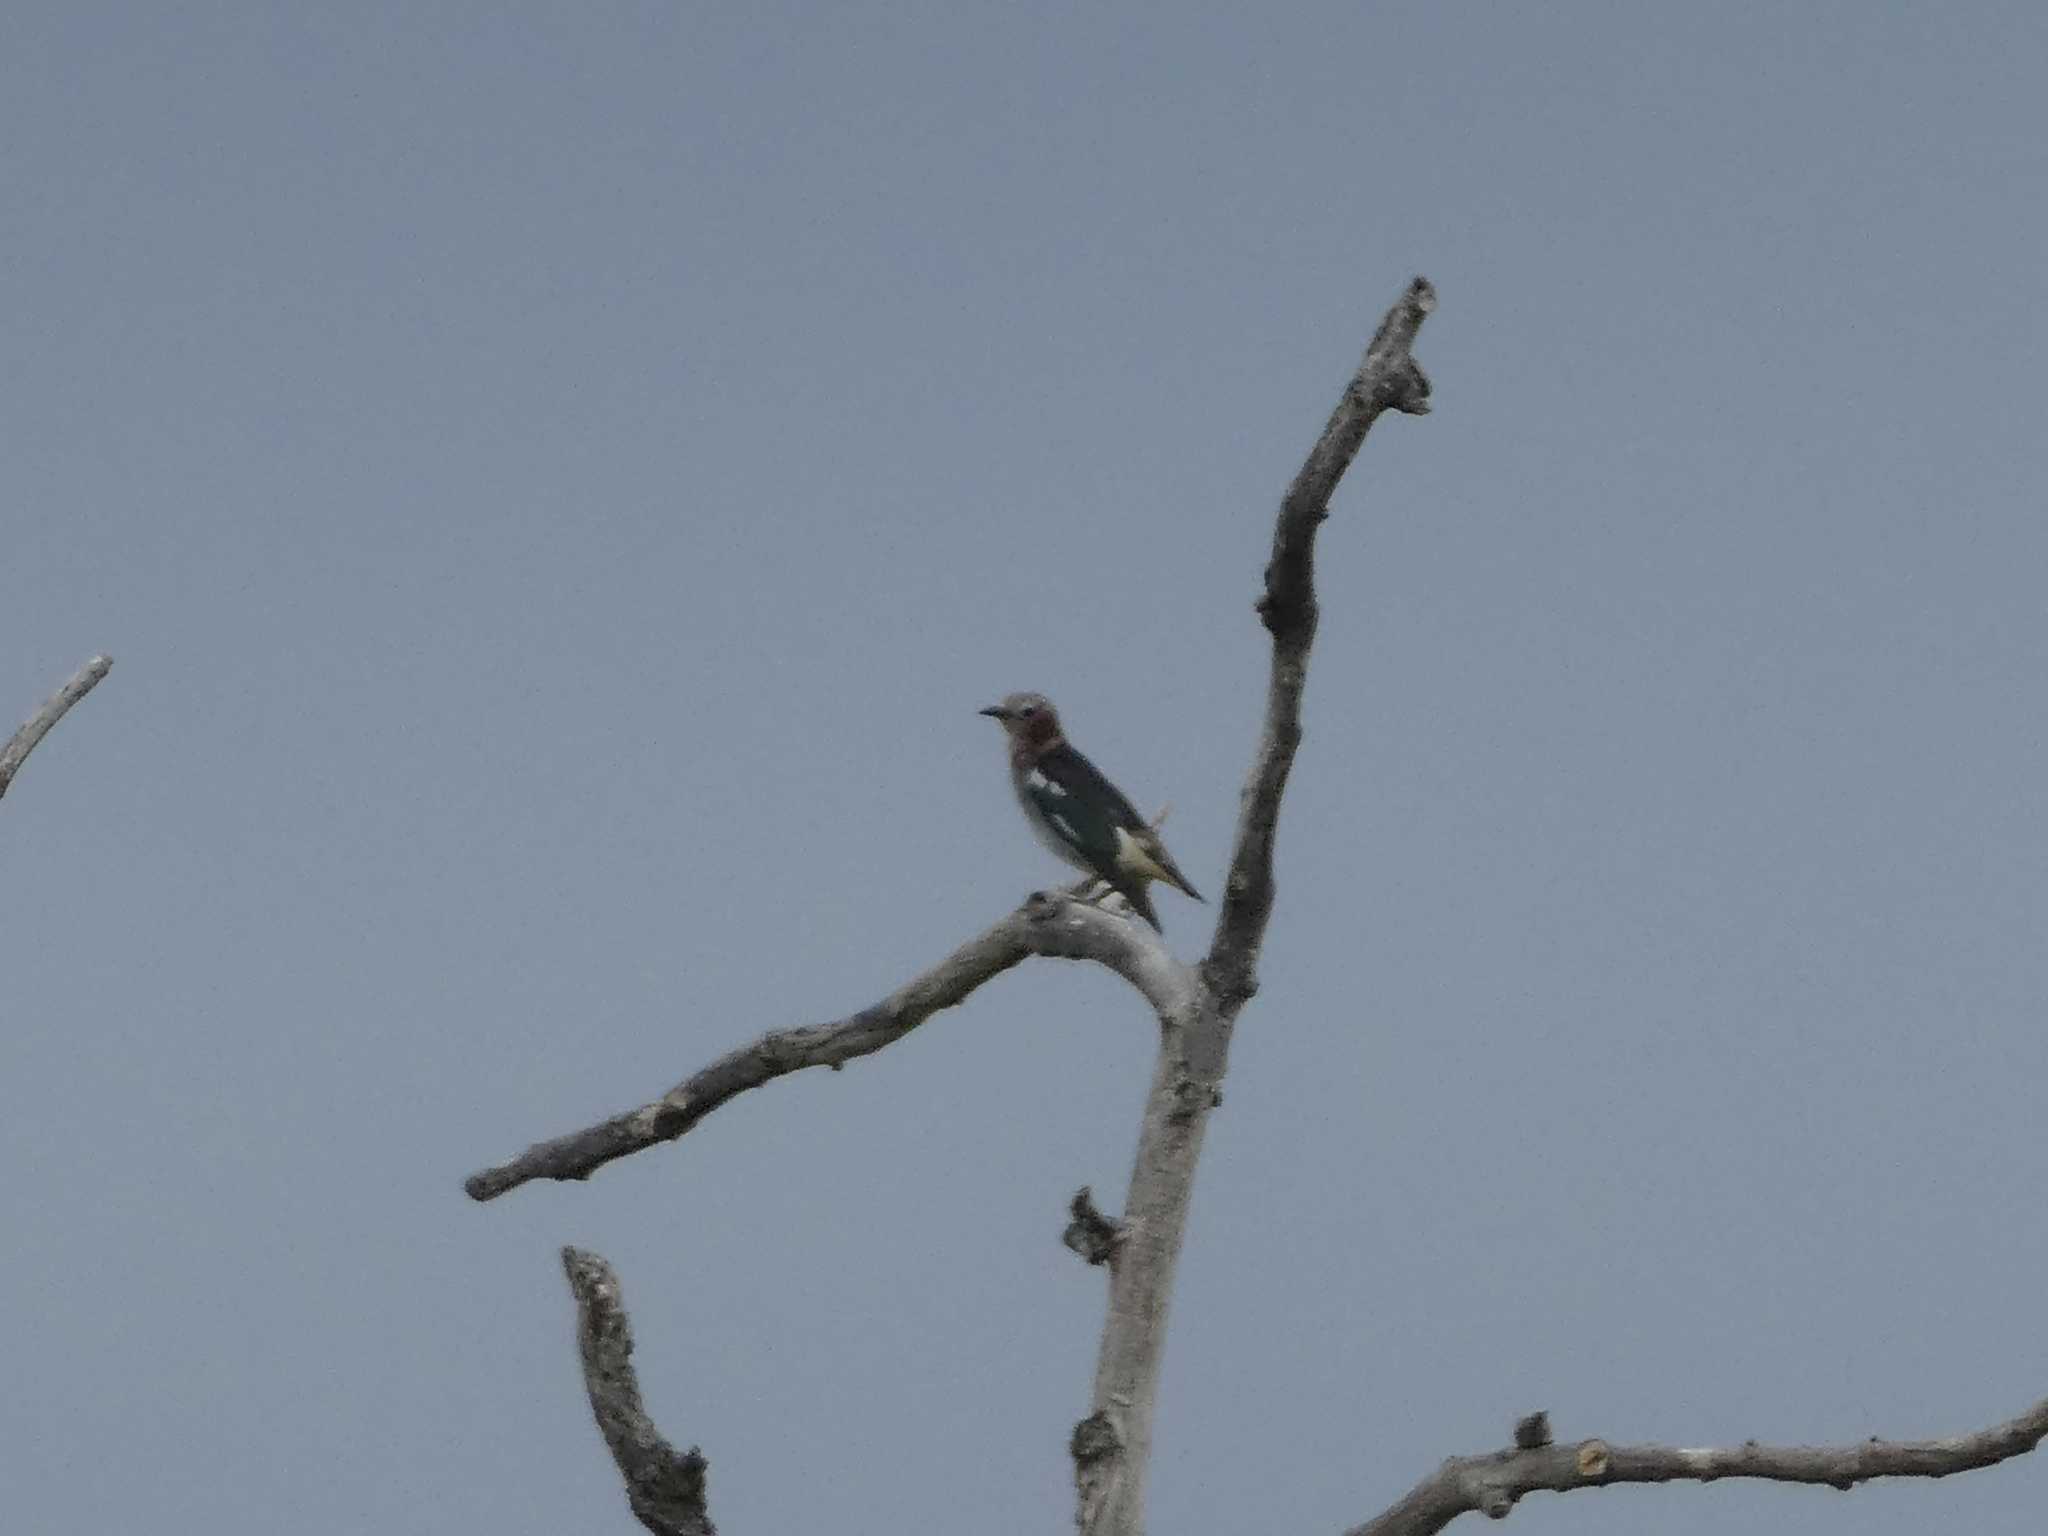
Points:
x=996, y=712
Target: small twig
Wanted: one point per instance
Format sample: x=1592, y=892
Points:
x=1091, y=1234
x=1048, y=924
x=37, y=726
x=1491, y=1484
x=665, y=1488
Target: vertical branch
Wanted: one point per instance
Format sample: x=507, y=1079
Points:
x=54, y=708
x=1389, y=378
x=665, y=1488
x=1112, y=1446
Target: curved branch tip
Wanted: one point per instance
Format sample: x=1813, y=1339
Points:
x=53, y=709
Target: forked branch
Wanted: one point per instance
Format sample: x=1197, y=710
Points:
x=1112, y=1446
x=1196, y=1009
x=54, y=708
x=1491, y=1484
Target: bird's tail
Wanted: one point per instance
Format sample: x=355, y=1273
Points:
x=1135, y=893
x=1176, y=879
x=1163, y=867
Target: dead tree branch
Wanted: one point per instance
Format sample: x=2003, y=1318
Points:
x=1491, y=1484
x=1196, y=1008
x=54, y=708
x=1389, y=378
x=1112, y=1446
x=1049, y=924
x=665, y=1488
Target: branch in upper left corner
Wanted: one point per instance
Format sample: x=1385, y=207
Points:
x=54, y=708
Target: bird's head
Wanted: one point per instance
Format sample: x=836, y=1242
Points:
x=1029, y=719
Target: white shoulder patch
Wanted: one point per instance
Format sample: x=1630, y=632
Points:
x=1040, y=782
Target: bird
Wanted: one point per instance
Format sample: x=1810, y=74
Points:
x=1078, y=813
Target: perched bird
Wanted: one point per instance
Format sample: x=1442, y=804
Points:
x=1079, y=814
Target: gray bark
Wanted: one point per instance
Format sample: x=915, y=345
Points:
x=1050, y=924
x=665, y=1487
x=53, y=709
x=1491, y=1484
x=1112, y=1446
x=1196, y=1006
x=1092, y=1235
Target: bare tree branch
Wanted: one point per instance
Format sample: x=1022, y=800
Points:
x=1491, y=1484
x=1388, y=379
x=54, y=708
x=1197, y=1009
x=1049, y=924
x=666, y=1489
x=1112, y=1446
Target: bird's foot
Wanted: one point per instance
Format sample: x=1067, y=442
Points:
x=1098, y=892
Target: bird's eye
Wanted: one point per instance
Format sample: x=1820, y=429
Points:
x=1028, y=711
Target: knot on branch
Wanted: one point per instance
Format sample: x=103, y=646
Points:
x=1091, y=1234
x=1094, y=1440
x=1041, y=906
x=668, y=1495
x=1404, y=387
x=1493, y=1499
x=1191, y=1098
x=1286, y=609
x=1390, y=378
x=1097, y=1449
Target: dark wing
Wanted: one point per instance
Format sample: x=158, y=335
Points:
x=1072, y=785
x=1074, y=774
x=1081, y=805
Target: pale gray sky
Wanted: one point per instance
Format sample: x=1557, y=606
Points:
x=557, y=483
